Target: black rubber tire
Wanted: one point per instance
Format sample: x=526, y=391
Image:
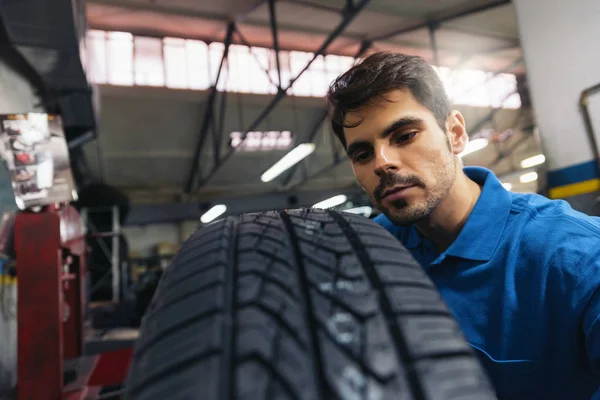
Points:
x=302, y=304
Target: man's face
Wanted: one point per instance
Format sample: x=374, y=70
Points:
x=401, y=157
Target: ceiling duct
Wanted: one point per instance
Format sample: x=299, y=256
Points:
x=47, y=35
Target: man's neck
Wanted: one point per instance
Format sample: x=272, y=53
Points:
x=443, y=226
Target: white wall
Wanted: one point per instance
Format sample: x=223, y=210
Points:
x=560, y=42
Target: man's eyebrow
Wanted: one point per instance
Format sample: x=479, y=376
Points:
x=393, y=127
x=355, y=146
x=399, y=124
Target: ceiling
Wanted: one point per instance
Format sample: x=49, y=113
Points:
x=488, y=39
x=148, y=135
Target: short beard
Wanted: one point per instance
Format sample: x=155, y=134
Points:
x=401, y=213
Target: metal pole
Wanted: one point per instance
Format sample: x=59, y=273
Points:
x=440, y=20
x=490, y=115
x=434, y=48
x=316, y=6
x=275, y=40
x=221, y=126
x=116, y=270
x=583, y=105
x=249, y=46
x=364, y=46
x=208, y=115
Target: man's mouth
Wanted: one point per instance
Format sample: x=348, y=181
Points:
x=394, y=190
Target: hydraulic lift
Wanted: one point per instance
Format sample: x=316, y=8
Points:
x=51, y=252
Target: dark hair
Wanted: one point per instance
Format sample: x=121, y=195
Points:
x=379, y=74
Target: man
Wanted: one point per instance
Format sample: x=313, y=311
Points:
x=519, y=272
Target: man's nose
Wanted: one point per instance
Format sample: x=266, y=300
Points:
x=386, y=161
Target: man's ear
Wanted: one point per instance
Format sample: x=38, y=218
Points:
x=457, y=130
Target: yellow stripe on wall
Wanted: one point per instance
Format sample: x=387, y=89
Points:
x=575, y=189
x=8, y=280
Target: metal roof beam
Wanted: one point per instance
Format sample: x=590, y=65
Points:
x=273, y=22
x=440, y=20
x=365, y=45
x=208, y=115
x=315, y=6
x=349, y=16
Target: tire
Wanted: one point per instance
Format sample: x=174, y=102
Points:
x=301, y=304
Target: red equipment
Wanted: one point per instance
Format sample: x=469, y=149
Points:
x=50, y=252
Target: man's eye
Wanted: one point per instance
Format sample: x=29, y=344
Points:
x=362, y=156
x=403, y=138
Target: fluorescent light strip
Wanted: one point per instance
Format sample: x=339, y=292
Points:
x=528, y=177
x=473, y=146
x=365, y=210
x=507, y=185
x=213, y=213
x=533, y=161
x=331, y=202
x=289, y=160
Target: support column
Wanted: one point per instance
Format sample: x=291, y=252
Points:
x=560, y=45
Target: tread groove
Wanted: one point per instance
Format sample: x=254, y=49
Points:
x=228, y=382
x=273, y=314
x=261, y=237
x=361, y=363
x=268, y=279
x=194, y=272
x=275, y=347
x=188, y=360
x=337, y=303
x=400, y=345
x=139, y=352
x=253, y=357
x=178, y=299
x=324, y=392
x=265, y=277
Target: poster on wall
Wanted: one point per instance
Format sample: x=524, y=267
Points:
x=34, y=149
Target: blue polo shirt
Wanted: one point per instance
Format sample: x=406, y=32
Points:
x=522, y=281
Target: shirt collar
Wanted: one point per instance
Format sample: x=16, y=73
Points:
x=483, y=230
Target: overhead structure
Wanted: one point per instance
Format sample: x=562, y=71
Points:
x=350, y=13
x=212, y=156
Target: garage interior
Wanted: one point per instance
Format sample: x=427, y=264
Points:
x=175, y=112
x=166, y=138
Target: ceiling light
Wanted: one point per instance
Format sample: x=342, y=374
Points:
x=533, y=161
x=365, y=211
x=331, y=202
x=507, y=185
x=528, y=177
x=289, y=160
x=213, y=213
x=473, y=146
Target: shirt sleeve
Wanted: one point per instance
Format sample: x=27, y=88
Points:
x=591, y=328
x=589, y=290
